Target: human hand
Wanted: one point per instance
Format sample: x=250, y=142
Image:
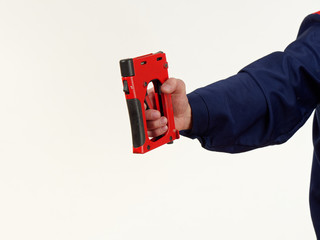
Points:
x=157, y=124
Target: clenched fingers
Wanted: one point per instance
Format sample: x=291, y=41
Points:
x=158, y=123
x=157, y=132
x=152, y=114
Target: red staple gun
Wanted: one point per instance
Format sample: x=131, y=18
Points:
x=137, y=73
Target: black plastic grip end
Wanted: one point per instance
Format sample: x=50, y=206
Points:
x=136, y=122
x=127, y=68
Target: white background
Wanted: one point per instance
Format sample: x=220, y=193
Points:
x=66, y=165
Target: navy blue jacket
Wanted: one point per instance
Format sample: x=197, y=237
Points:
x=265, y=104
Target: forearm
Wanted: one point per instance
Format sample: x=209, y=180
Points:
x=264, y=104
x=223, y=111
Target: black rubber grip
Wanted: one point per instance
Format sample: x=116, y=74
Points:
x=136, y=122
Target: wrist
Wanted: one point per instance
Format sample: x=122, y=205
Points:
x=188, y=119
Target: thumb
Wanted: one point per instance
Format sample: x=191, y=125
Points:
x=173, y=85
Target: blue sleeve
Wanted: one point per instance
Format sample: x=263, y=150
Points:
x=266, y=102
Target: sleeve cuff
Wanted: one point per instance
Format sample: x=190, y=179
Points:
x=200, y=116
